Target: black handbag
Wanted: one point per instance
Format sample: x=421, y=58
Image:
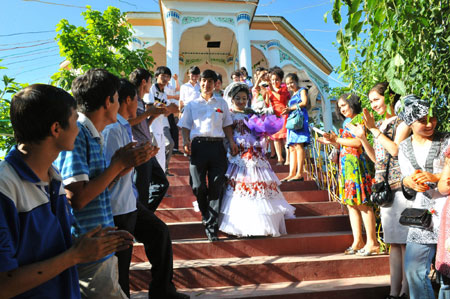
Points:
x=420, y=218
x=381, y=192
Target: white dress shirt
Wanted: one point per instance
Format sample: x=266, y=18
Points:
x=206, y=118
x=189, y=92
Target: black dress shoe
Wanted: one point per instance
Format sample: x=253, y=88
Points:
x=212, y=236
x=178, y=295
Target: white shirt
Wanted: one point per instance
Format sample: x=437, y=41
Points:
x=155, y=96
x=206, y=118
x=189, y=92
x=123, y=198
x=170, y=91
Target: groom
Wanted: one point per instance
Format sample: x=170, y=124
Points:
x=205, y=122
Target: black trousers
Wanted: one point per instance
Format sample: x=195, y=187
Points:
x=208, y=160
x=173, y=130
x=151, y=183
x=154, y=234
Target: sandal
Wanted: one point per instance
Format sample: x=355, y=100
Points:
x=350, y=251
x=363, y=252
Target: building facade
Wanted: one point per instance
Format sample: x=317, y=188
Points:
x=225, y=35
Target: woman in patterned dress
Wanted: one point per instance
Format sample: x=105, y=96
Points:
x=387, y=135
x=253, y=204
x=279, y=97
x=354, y=180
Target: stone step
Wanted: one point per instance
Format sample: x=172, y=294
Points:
x=369, y=287
x=310, y=243
x=187, y=214
x=182, y=197
x=183, y=180
x=219, y=272
x=299, y=225
x=285, y=186
x=176, y=166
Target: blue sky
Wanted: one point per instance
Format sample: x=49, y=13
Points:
x=27, y=30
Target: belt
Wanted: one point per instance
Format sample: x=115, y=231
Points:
x=208, y=139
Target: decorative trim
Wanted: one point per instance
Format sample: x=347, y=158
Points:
x=173, y=14
x=225, y=20
x=138, y=41
x=243, y=17
x=181, y=58
x=189, y=19
x=218, y=60
x=230, y=59
x=273, y=43
x=192, y=61
x=204, y=53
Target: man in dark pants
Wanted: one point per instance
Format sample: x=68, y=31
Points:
x=205, y=122
x=133, y=216
x=149, y=174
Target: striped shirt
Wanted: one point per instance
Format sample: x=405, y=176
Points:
x=86, y=162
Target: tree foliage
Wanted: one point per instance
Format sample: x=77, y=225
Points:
x=404, y=42
x=103, y=43
x=8, y=89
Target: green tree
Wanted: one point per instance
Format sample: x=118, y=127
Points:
x=404, y=42
x=103, y=43
x=7, y=90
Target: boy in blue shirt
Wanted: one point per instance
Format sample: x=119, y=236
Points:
x=37, y=254
x=86, y=177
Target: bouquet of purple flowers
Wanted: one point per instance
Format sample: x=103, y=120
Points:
x=264, y=124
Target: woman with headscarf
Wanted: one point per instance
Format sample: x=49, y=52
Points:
x=419, y=158
x=253, y=204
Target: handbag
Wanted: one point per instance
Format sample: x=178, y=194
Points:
x=295, y=120
x=381, y=192
x=420, y=218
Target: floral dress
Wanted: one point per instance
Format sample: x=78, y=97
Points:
x=393, y=231
x=253, y=204
x=354, y=180
x=278, y=107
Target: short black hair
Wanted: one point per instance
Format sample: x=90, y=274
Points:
x=293, y=76
x=276, y=70
x=36, y=108
x=260, y=68
x=353, y=102
x=209, y=74
x=91, y=89
x=194, y=70
x=126, y=89
x=219, y=77
x=235, y=73
x=138, y=75
x=162, y=70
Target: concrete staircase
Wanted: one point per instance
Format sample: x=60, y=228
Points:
x=308, y=262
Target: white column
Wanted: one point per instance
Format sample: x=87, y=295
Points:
x=173, y=41
x=273, y=49
x=327, y=114
x=243, y=39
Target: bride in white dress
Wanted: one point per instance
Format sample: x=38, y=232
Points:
x=253, y=204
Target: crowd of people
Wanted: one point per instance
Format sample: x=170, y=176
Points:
x=89, y=171
x=413, y=159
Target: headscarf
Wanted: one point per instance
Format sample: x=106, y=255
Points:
x=232, y=90
x=411, y=108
